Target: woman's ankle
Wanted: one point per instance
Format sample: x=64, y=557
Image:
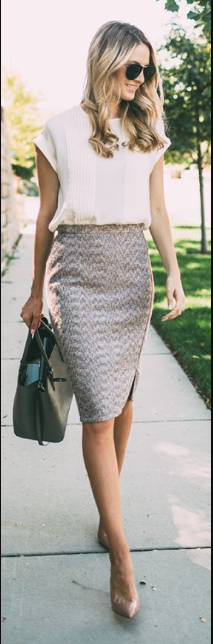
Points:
x=118, y=553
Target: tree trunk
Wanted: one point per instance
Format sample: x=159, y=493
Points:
x=204, y=246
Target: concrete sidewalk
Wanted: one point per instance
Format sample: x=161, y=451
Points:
x=55, y=575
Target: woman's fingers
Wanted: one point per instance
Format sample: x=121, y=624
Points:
x=177, y=310
x=35, y=323
x=26, y=317
x=170, y=299
x=174, y=314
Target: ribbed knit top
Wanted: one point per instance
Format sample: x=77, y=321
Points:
x=95, y=190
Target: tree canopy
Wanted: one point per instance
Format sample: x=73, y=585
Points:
x=187, y=86
x=200, y=13
x=187, y=96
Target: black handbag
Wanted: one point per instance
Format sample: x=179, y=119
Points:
x=44, y=390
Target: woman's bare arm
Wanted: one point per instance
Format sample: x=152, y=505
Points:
x=48, y=192
x=161, y=232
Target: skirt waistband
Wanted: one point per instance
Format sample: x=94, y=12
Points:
x=84, y=228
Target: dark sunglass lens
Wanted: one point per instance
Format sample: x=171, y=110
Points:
x=132, y=71
x=149, y=72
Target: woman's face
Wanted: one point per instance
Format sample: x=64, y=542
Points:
x=127, y=88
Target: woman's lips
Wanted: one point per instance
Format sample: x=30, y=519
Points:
x=132, y=87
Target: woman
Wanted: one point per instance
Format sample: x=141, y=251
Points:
x=100, y=174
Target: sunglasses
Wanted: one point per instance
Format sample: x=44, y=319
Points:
x=134, y=69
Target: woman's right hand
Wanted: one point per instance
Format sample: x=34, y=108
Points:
x=32, y=312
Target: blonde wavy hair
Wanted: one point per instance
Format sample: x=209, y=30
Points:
x=110, y=48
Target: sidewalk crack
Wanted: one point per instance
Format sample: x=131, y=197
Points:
x=100, y=552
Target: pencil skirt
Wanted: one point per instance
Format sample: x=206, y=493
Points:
x=100, y=293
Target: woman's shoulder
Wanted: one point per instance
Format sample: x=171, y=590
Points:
x=55, y=122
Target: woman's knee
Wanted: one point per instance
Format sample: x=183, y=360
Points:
x=127, y=410
x=99, y=428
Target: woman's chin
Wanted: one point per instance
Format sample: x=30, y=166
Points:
x=128, y=96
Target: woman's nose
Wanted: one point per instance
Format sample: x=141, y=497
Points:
x=141, y=77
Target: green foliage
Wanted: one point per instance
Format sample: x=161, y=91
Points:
x=23, y=123
x=187, y=97
x=171, y=5
x=200, y=13
x=188, y=336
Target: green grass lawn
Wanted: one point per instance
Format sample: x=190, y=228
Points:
x=189, y=335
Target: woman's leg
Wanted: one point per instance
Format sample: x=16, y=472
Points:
x=122, y=428
x=102, y=467
x=101, y=464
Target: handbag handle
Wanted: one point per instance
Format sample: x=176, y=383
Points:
x=37, y=336
x=42, y=349
x=46, y=326
x=49, y=368
x=50, y=374
x=43, y=352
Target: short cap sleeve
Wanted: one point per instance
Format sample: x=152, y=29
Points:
x=44, y=142
x=158, y=152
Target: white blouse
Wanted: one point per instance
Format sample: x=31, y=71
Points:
x=95, y=190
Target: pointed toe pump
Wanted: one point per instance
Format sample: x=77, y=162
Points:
x=126, y=608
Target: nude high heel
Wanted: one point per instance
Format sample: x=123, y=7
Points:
x=124, y=607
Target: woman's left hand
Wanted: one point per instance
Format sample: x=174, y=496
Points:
x=175, y=291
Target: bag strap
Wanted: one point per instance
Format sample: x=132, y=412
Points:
x=26, y=348
x=47, y=327
x=30, y=338
x=51, y=333
x=42, y=349
x=38, y=419
x=52, y=380
x=49, y=330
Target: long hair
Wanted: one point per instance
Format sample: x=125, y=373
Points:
x=110, y=48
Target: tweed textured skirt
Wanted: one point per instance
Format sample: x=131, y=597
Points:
x=100, y=292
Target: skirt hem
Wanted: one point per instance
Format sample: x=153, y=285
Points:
x=103, y=417
x=116, y=413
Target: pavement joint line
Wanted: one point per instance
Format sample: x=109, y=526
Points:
x=147, y=422
x=171, y=420
x=99, y=552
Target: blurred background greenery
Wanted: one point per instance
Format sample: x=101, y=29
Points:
x=189, y=336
